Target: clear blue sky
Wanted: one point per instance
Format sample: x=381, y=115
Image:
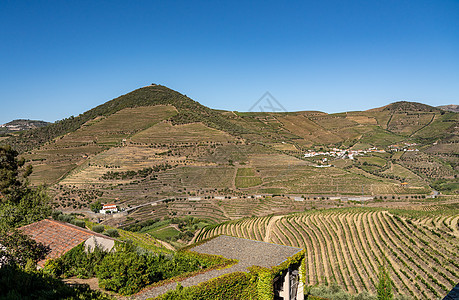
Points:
x=61, y=58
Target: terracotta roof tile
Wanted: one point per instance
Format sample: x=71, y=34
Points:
x=59, y=236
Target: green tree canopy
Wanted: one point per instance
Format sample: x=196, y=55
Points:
x=19, y=249
x=19, y=204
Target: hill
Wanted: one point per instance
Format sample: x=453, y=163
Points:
x=155, y=143
x=177, y=170
x=451, y=107
x=407, y=106
x=21, y=125
x=188, y=111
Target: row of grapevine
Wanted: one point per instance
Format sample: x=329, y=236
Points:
x=347, y=246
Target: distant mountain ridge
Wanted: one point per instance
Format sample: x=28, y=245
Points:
x=451, y=107
x=238, y=124
x=22, y=124
x=401, y=106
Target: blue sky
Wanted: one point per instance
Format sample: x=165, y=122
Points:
x=61, y=58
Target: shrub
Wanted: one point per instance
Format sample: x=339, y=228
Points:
x=234, y=286
x=125, y=271
x=16, y=283
x=333, y=291
x=112, y=232
x=79, y=223
x=384, y=287
x=129, y=269
x=76, y=262
x=98, y=228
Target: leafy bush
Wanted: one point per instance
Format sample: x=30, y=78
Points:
x=79, y=223
x=335, y=292
x=98, y=228
x=384, y=287
x=96, y=206
x=112, y=232
x=76, y=262
x=332, y=291
x=235, y=286
x=16, y=283
x=125, y=272
x=128, y=269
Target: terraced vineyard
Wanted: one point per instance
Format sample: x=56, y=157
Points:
x=346, y=246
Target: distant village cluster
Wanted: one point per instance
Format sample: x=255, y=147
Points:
x=344, y=154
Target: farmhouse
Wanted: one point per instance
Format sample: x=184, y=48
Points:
x=61, y=237
x=109, y=208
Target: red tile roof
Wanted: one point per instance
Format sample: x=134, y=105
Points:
x=109, y=206
x=59, y=236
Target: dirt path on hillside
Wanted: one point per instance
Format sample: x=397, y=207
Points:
x=167, y=245
x=269, y=228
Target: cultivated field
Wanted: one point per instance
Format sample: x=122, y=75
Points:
x=346, y=246
x=165, y=133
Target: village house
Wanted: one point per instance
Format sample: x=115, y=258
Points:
x=109, y=208
x=346, y=153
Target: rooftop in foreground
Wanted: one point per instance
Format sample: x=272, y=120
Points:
x=59, y=236
x=248, y=252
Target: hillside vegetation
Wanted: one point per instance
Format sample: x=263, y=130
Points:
x=189, y=111
x=220, y=153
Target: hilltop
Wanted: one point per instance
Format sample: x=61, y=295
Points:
x=407, y=106
x=20, y=125
x=451, y=107
x=188, y=111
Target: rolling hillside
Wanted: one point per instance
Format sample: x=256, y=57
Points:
x=100, y=154
x=339, y=185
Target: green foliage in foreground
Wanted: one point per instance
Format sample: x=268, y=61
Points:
x=384, y=287
x=19, y=249
x=232, y=286
x=19, y=204
x=255, y=285
x=335, y=292
x=17, y=283
x=129, y=269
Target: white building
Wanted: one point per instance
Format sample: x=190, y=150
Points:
x=109, y=208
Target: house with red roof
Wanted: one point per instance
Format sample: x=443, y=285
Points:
x=61, y=237
x=109, y=208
